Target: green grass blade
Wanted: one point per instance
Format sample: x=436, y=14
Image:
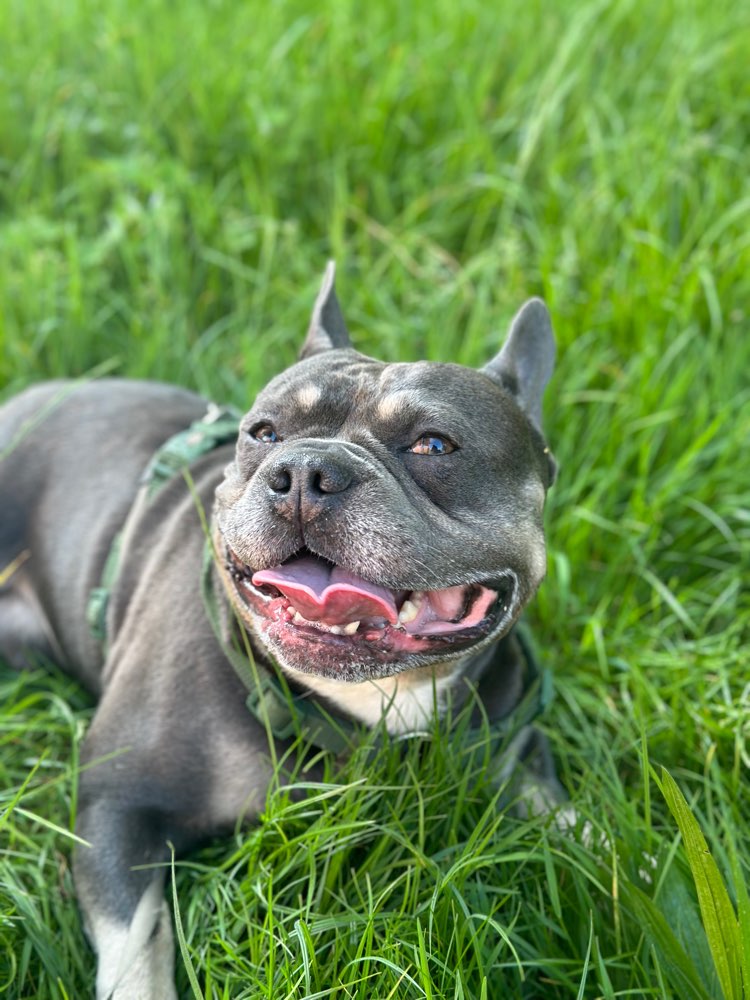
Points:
x=743, y=913
x=719, y=918
x=586, y=961
x=180, y=932
x=675, y=963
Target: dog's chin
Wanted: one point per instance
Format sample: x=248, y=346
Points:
x=375, y=637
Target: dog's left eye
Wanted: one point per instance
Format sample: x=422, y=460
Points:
x=432, y=444
x=265, y=434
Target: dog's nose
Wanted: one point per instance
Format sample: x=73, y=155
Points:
x=307, y=482
x=309, y=477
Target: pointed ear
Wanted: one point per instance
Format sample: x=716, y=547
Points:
x=327, y=329
x=525, y=363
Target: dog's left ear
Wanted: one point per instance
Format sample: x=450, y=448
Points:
x=327, y=330
x=525, y=362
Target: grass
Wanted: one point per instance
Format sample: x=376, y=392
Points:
x=172, y=179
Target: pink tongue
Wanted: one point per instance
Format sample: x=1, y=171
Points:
x=331, y=595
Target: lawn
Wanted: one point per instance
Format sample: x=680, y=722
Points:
x=173, y=178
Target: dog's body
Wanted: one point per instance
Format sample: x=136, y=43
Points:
x=377, y=531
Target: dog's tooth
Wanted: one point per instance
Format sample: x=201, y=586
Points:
x=351, y=628
x=409, y=611
x=337, y=629
x=298, y=619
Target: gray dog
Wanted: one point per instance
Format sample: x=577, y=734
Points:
x=376, y=530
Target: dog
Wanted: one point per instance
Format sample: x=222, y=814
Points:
x=374, y=532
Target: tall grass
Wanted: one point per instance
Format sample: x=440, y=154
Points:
x=172, y=179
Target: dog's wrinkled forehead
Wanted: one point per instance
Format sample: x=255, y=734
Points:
x=343, y=387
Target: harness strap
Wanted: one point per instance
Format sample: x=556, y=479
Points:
x=96, y=609
x=219, y=426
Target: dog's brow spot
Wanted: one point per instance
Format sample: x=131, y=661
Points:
x=308, y=396
x=390, y=405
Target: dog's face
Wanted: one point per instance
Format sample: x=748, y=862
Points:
x=379, y=517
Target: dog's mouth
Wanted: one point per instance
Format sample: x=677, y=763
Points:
x=308, y=597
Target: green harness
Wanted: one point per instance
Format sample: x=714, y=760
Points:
x=219, y=426
x=280, y=710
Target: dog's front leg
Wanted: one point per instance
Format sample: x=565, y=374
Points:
x=172, y=757
x=126, y=916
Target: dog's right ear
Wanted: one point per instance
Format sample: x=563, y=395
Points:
x=327, y=330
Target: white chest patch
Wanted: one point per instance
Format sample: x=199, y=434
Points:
x=407, y=701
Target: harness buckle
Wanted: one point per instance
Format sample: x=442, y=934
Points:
x=270, y=707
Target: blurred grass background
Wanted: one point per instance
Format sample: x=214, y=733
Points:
x=172, y=180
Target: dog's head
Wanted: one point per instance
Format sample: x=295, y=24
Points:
x=379, y=517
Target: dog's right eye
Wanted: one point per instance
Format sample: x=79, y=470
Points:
x=265, y=434
x=432, y=444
